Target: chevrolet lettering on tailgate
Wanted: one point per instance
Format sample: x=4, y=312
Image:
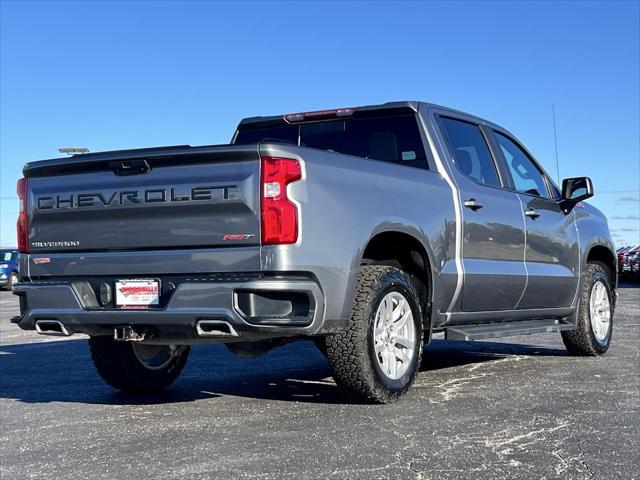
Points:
x=201, y=193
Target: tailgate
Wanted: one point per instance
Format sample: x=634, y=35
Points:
x=153, y=199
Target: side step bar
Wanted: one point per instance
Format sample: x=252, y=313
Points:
x=505, y=329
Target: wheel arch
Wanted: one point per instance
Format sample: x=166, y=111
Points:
x=406, y=251
x=603, y=254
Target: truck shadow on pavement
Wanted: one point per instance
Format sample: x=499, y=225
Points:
x=61, y=371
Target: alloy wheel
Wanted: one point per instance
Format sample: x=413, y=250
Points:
x=394, y=335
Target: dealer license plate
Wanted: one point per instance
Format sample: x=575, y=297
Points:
x=137, y=293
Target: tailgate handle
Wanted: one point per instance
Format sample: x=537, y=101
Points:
x=130, y=167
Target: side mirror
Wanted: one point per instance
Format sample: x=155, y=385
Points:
x=576, y=189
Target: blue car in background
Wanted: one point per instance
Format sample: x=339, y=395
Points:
x=8, y=268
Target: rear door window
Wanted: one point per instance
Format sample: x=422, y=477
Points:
x=471, y=154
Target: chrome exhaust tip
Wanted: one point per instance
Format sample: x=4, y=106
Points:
x=215, y=328
x=52, y=327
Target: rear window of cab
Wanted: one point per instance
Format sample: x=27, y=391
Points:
x=391, y=138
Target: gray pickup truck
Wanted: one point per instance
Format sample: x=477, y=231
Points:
x=366, y=229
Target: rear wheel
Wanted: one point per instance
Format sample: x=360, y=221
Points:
x=137, y=367
x=377, y=356
x=592, y=335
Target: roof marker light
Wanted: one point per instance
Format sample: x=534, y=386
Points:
x=318, y=115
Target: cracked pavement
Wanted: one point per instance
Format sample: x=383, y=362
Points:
x=517, y=407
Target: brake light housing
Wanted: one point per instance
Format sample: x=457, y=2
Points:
x=318, y=115
x=279, y=214
x=22, y=226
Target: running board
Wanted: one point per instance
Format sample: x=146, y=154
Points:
x=505, y=329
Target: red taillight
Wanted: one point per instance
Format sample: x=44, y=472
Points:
x=22, y=227
x=279, y=213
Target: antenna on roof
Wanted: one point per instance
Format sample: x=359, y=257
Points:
x=74, y=151
x=555, y=139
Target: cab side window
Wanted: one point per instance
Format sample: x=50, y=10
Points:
x=470, y=151
x=527, y=178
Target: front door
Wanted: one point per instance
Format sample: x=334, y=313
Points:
x=552, y=253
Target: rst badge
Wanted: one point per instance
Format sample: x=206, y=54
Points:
x=237, y=236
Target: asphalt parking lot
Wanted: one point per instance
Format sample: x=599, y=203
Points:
x=515, y=408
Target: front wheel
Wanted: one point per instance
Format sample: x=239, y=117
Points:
x=137, y=367
x=592, y=334
x=377, y=356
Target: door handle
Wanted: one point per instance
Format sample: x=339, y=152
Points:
x=472, y=204
x=531, y=213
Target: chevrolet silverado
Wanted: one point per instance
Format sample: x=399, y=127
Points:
x=365, y=229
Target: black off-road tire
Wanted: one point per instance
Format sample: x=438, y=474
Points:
x=351, y=351
x=120, y=367
x=582, y=340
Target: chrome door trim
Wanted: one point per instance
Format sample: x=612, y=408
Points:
x=455, y=194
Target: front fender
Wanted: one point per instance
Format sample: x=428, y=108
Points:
x=593, y=231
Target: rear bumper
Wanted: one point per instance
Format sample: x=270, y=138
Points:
x=240, y=302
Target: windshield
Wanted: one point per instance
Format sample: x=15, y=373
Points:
x=6, y=255
x=391, y=138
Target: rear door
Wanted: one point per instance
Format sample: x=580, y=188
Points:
x=552, y=251
x=493, y=227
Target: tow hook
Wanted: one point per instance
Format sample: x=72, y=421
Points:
x=128, y=334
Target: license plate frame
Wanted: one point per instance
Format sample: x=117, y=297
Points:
x=137, y=293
